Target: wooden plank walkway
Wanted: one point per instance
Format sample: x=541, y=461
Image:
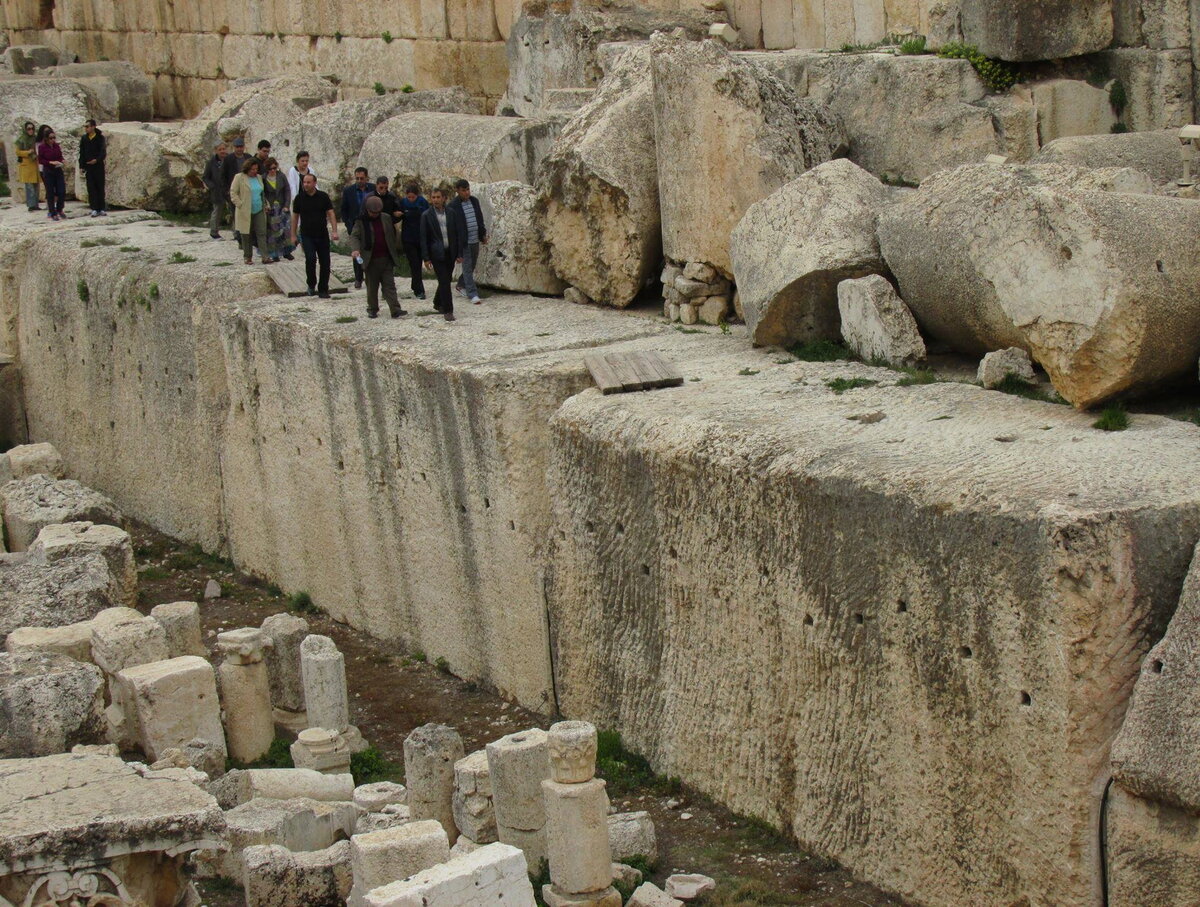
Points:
x=290, y=278
x=619, y=373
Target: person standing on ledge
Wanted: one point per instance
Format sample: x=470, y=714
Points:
x=473, y=233
x=27, y=168
x=412, y=206
x=375, y=244
x=440, y=249
x=233, y=166
x=50, y=157
x=353, y=197
x=250, y=217
x=93, y=149
x=312, y=215
x=218, y=192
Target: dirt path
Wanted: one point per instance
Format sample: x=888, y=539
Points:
x=392, y=692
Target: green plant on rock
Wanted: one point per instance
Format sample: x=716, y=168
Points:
x=913, y=47
x=387, y=37
x=82, y=289
x=1118, y=97
x=407, y=89
x=997, y=75
x=1112, y=418
x=1118, y=129
x=337, y=36
x=840, y=385
x=178, y=258
x=370, y=766
x=379, y=89
x=153, y=291
x=302, y=603
x=820, y=351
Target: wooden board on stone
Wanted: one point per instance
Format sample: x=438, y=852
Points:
x=289, y=276
x=618, y=373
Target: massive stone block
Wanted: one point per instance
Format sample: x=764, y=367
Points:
x=1098, y=286
x=599, y=188
x=434, y=148
x=495, y=874
x=1048, y=30
x=728, y=134
x=32, y=503
x=1153, y=852
x=517, y=256
x=1154, y=153
x=792, y=249
x=48, y=703
x=277, y=877
x=170, y=703
x=123, y=89
x=144, y=172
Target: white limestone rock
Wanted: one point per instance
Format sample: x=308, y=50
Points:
x=277, y=877
x=999, y=364
x=298, y=825
x=876, y=324
x=516, y=257
x=577, y=835
x=430, y=754
x=124, y=89
x=689, y=886
x=172, y=704
x=1051, y=30
x=1154, y=153
x=323, y=669
x=37, y=501
x=63, y=104
x=374, y=797
x=151, y=176
x=181, y=626
x=792, y=249
x=123, y=643
x=287, y=633
x=632, y=835
x=48, y=703
x=70, y=590
x=69, y=541
x=495, y=874
x=290, y=783
x=720, y=121
x=1153, y=851
x=650, y=895
x=32, y=459
x=382, y=857
x=474, y=814
x=246, y=693
x=73, y=640
x=1097, y=285
x=1071, y=107
x=517, y=765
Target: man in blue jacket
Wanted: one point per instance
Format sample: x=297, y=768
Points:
x=413, y=205
x=472, y=233
x=353, y=197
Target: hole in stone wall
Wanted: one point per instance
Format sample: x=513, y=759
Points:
x=965, y=652
x=645, y=569
x=859, y=618
x=1026, y=699
x=512, y=525
x=1162, y=269
x=902, y=607
x=671, y=551
x=487, y=503
x=341, y=465
x=808, y=620
x=589, y=526
x=1156, y=666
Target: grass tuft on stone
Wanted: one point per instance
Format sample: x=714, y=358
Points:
x=178, y=258
x=840, y=385
x=820, y=351
x=1112, y=418
x=370, y=766
x=82, y=289
x=302, y=603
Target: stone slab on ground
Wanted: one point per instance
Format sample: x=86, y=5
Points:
x=48, y=703
x=37, y=501
x=490, y=875
x=298, y=825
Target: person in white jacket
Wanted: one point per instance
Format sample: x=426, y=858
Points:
x=296, y=174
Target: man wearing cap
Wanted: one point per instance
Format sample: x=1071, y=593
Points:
x=233, y=166
x=375, y=244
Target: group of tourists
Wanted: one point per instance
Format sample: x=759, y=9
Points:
x=274, y=212
x=40, y=160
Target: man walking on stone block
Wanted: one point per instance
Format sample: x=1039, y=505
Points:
x=413, y=205
x=472, y=232
x=233, y=166
x=93, y=150
x=353, y=197
x=218, y=190
x=376, y=245
x=312, y=213
x=440, y=247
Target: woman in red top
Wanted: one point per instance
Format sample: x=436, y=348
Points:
x=50, y=156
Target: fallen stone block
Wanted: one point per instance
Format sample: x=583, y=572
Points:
x=382, y=857
x=1086, y=280
x=650, y=895
x=48, y=703
x=121, y=644
x=154, y=177
x=31, y=459
x=67, y=591
x=689, y=886
x=430, y=755
x=181, y=626
x=277, y=877
x=632, y=835
x=517, y=765
x=996, y=366
x=1071, y=107
x=286, y=632
x=495, y=874
x=1154, y=153
x=172, y=704
x=474, y=814
x=792, y=249
x=721, y=121
x=516, y=256
x=876, y=324
x=73, y=640
x=1049, y=31
x=374, y=797
x=323, y=669
x=63, y=104
x=389, y=817
x=1159, y=85
x=322, y=750
x=298, y=825
x=577, y=836
x=598, y=189
x=1153, y=852
x=123, y=89
x=26, y=59
x=61, y=542
x=37, y=501
x=437, y=148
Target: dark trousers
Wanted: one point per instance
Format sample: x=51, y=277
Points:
x=316, y=248
x=443, y=300
x=358, y=269
x=95, y=187
x=220, y=201
x=56, y=189
x=412, y=251
x=380, y=272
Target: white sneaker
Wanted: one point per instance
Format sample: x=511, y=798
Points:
x=476, y=300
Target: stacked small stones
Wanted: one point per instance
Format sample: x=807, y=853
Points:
x=695, y=291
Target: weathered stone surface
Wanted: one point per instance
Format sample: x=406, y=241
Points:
x=48, y=703
x=474, y=814
x=290, y=783
x=876, y=324
x=1070, y=107
x=124, y=89
x=333, y=134
x=650, y=895
x=495, y=874
x=287, y=633
x=517, y=766
x=181, y=625
x=298, y=825
x=1159, y=85
x=792, y=249
x=150, y=175
x=632, y=835
x=73, y=640
x=1157, y=753
x=374, y=797
x=1154, y=153
x=321, y=749
x=124, y=643
x=1160, y=24
x=381, y=857
x=516, y=256
x=577, y=836
x=277, y=877
x=323, y=669
x=572, y=746
x=171, y=703
x=1153, y=852
x=31, y=459
x=1096, y=285
x=62, y=542
x=721, y=121
x=553, y=896
x=246, y=693
x=26, y=59
x=1048, y=31
x=438, y=148
x=689, y=886
x=430, y=754
x=599, y=189
x=38, y=500
x=1000, y=364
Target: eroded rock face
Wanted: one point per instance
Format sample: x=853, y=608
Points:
x=793, y=248
x=126, y=92
x=516, y=256
x=48, y=703
x=727, y=134
x=599, y=188
x=1154, y=153
x=876, y=324
x=38, y=501
x=1153, y=852
x=1048, y=30
x=1098, y=286
x=148, y=174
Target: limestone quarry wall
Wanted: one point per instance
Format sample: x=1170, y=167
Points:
x=902, y=622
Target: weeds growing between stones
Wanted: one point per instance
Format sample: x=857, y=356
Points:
x=1112, y=418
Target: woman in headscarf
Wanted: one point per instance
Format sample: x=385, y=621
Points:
x=27, y=166
x=50, y=157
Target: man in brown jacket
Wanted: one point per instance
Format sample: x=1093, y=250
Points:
x=375, y=246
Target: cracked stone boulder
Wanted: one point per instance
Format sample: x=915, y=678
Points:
x=150, y=177
x=1098, y=286
x=48, y=703
x=598, y=188
x=1047, y=30
x=37, y=501
x=432, y=148
x=1157, y=753
x=792, y=249
x=727, y=135
x=876, y=324
x=516, y=257
x=333, y=134
x=124, y=89
x=1155, y=154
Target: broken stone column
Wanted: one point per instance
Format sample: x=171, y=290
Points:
x=495, y=874
x=430, y=754
x=577, y=821
x=286, y=632
x=277, y=877
x=181, y=624
x=473, y=811
x=289, y=783
x=381, y=857
x=321, y=749
x=517, y=766
x=323, y=669
x=246, y=693
x=171, y=703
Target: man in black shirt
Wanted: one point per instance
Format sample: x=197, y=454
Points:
x=312, y=212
